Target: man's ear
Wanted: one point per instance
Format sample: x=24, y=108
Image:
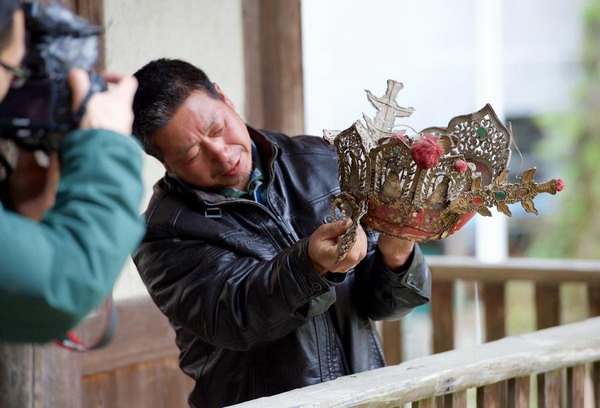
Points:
x=223, y=96
x=167, y=167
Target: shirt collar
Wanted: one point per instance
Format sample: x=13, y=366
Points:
x=256, y=179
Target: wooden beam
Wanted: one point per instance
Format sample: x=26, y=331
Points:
x=576, y=386
x=518, y=392
x=596, y=383
x=495, y=310
x=547, y=305
x=594, y=300
x=392, y=341
x=93, y=11
x=549, y=389
x=451, y=268
x=39, y=376
x=442, y=315
x=273, y=65
x=16, y=375
x=491, y=396
x=459, y=399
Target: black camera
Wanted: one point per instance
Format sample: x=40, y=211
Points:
x=39, y=112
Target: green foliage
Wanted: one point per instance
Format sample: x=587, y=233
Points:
x=573, y=144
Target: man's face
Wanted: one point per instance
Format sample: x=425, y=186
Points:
x=206, y=143
x=14, y=52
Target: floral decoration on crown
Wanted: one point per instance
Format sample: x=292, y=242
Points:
x=426, y=187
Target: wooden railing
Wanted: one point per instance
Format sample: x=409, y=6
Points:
x=139, y=368
x=444, y=379
x=547, y=276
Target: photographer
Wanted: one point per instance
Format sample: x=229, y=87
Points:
x=64, y=243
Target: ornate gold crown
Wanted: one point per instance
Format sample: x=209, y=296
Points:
x=428, y=186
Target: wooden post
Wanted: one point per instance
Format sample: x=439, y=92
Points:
x=93, y=11
x=495, y=310
x=549, y=389
x=547, y=303
x=442, y=315
x=273, y=62
x=16, y=372
x=594, y=299
x=459, y=399
x=392, y=342
x=495, y=328
x=425, y=403
x=518, y=392
x=490, y=396
x=596, y=383
x=444, y=401
x=576, y=386
x=39, y=377
x=594, y=307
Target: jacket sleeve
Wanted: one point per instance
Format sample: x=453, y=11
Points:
x=382, y=294
x=231, y=301
x=56, y=271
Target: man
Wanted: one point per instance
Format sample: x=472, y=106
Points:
x=57, y=270
x=239, y=253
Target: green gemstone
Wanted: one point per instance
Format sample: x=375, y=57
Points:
x=500, y=195
x=396, y=150
x=482, y=133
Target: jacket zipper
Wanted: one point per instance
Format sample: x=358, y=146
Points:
x=338, y=343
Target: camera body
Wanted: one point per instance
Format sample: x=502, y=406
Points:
x=36, y=115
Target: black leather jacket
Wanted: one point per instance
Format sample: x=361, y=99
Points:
x=252, y=316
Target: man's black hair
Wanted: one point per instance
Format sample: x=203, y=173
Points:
x=7, y=10
x=164, y=85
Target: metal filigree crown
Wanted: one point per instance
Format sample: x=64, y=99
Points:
x=428, y=186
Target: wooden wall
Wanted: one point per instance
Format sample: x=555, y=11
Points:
x=139, y=368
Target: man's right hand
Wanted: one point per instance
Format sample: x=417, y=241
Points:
x=106, y=110
x=323, y=246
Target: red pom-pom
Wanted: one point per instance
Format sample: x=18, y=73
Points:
x=460, y=166
x=426, y=152
x=400, y=136
x=560, y=184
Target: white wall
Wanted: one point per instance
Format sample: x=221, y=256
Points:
x=203, y=32
x=430, y=46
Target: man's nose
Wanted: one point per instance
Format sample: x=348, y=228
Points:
x=218, y=151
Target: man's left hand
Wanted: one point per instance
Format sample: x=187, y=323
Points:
x=395, y=251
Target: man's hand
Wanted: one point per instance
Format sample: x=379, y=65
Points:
x=106, y=110
x=323, y=247
x=395, y=251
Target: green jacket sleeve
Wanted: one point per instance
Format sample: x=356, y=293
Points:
x=56, y=271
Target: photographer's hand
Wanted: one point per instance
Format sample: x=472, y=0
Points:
x=106, y=110
x=32, y=187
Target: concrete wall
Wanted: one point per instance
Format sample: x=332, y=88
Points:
x=205, y=33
